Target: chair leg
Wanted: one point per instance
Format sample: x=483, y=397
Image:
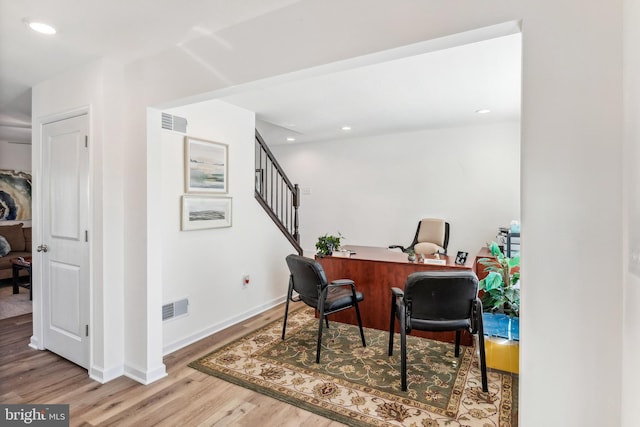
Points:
x=457, y=352
x=322, y=315
x=403, y=351
x=364, y=343
x=392, y=325
x=326, y=318
x=286, y=306
x=483, y=359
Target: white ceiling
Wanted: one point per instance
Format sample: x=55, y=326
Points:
x=436, y=89
x=442, y=88
x=124, y=30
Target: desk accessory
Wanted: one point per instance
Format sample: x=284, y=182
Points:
x=461, y=257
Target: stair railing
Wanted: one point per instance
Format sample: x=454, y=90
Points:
x=275, y=192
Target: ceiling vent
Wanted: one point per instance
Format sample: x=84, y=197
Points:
x=175, y=309
x=174, y=123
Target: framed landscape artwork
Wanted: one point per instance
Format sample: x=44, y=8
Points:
x=200, y=212
x=206, y=166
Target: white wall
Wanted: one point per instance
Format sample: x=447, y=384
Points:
x=571, y=321
x=570, y=171
x=374, y=190
x=15, y=156
x=207, y=266
x=94, y=88
x=631, y=251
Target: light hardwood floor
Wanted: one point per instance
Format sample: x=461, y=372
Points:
x=186, y=397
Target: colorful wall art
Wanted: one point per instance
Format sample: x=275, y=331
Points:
x=15, y=195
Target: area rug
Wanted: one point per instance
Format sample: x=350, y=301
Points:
x=11, y=304
x=360, y=386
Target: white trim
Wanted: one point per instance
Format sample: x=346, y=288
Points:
x=102, y=375
x=177, y=345
x=34, y=343
x=148, y=377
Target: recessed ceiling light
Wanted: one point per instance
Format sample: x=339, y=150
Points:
x=290, y=139
x=346, y=127
x=40, y=27
x=483, y=111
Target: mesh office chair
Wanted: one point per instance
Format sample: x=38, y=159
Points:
x=438, y=301
x=432, y=235
x=309, y=281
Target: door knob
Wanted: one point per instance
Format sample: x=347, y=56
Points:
x=42, y=248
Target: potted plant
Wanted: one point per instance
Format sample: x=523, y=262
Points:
x=327, y=244
x=501, y=285
x=501, y=306
x=411, y=255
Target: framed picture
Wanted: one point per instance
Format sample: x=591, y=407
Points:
x=15, y=195
x=200, y=212
x=206, y=166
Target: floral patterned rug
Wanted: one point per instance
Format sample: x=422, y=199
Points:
x=360, y=386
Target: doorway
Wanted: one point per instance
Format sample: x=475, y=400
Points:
x=62, y=251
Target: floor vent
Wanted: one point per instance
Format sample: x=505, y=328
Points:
x=174, y=123
x=175, y=309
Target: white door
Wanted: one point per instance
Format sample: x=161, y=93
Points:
x=64, y=250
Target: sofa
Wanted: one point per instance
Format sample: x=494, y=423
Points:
x=19, y=239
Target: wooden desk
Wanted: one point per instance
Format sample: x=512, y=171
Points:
x=375, y=271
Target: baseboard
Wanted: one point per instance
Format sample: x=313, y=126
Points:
x=147, y=377
x=102, y=375
x=177, y=345
x=34, y=343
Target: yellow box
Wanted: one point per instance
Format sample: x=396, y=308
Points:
x=502, y=354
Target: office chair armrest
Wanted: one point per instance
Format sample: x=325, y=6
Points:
x=397, y=292
x=342, y=282
x=477, y=311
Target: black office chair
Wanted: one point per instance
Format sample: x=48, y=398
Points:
x=309, y=281
x=432, y=235
x=438, y=301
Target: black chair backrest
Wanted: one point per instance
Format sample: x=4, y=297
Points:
x=308, y=278
x=441, y=295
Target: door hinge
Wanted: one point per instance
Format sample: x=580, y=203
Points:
x=86, y=330
x=86, y=235
x=86, y=141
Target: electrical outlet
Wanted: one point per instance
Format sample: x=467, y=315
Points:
x=246, y=280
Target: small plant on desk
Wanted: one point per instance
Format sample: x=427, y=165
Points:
x=411, y=255
x=327, y=244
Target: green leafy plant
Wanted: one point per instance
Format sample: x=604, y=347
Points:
x=327, y=244
x=501, y=285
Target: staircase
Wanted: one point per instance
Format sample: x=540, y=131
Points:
x=275, y=192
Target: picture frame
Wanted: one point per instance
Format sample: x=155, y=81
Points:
x=201, y=212
x=15, y=195
x=206, y=165
x=461, y=258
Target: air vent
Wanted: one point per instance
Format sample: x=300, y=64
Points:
x=175, y=309
x=174, y=123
